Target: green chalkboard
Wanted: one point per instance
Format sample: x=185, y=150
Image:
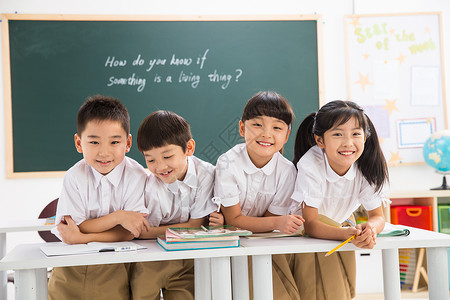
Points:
x=203, y=70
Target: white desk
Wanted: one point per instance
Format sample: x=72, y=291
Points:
x=7, y=226
x=31, y=265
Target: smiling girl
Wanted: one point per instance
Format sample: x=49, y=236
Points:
x=254, y=182
x=340, y=166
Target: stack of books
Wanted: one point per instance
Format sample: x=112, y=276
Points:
x=178, y=238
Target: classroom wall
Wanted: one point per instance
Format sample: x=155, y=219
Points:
x=24, y=198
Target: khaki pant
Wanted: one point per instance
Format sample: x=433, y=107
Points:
x=325, y=278
x=174, y=277
x=284, y=285
x=95, y=282
x=308, y=276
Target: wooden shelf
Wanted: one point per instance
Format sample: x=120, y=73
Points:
x=423, y=198
x=419, y=193
x=418, y=197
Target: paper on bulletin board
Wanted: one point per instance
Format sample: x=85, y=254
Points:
x=413, y=133
x=425, y=86
x=395, y=72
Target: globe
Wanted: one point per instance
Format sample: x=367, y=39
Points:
x=436, y=153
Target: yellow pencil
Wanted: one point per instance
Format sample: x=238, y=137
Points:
x=341, y=244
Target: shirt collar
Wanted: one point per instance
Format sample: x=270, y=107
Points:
x=190, y=179
x=250, y=168
x=332, y=176
x=191, y=174
x=173, y=187
x=113, y=177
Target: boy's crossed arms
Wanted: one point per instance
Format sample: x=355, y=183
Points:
x=120, y=225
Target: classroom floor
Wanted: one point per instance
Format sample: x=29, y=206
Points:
x=405, y=295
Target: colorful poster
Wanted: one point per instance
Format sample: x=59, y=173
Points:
x=394, y=71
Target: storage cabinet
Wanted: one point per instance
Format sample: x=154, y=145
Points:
x=430, y=198
x=368, y=262
x=436, y=200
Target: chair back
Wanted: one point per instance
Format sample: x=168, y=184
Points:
x=47, y=212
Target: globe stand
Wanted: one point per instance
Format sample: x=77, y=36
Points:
x=444, y=185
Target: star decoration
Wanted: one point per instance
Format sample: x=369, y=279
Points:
x=366, y=56
x=391, y=106
x=427, y=29
x=363, y=81
x=401, y=58
x=355, y=21
x=395, y=158
x=392, y=31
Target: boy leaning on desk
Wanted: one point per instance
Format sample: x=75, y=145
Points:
x=104, y=195
x=178, y=193
x=102, y=200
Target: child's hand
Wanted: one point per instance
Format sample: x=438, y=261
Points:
x=351, y=231
x=134, y=222
x=216, y=219
x=367, y=237
x=69, y=231
x=289, y=224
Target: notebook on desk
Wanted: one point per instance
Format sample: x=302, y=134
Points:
x=393, y=230
x=59, y=249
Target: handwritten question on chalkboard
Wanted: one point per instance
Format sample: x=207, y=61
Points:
x=149, y=71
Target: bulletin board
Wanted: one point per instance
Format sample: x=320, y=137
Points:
x=395, y=72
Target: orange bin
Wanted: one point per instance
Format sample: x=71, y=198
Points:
x=414, y=216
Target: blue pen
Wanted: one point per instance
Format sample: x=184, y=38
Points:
x=351, y=222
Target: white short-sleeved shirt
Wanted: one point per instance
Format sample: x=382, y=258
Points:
x=257, y=190
x=335, y=196
x=181, y=200
x=87, y=194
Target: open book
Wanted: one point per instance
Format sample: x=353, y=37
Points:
x=393, y=230
x=57, y=249
x=274, y=234
x=389, y=229
x=206, y=232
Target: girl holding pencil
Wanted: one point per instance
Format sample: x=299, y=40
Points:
x=340, y=166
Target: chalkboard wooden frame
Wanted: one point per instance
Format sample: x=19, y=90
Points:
x=8, y=97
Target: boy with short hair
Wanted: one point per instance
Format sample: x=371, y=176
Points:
x=102, y=200
x=178, y=193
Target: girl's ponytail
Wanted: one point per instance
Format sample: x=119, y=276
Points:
x=372, y=162
x=304, y=138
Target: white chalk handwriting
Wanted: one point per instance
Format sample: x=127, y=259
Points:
x=175, y=68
